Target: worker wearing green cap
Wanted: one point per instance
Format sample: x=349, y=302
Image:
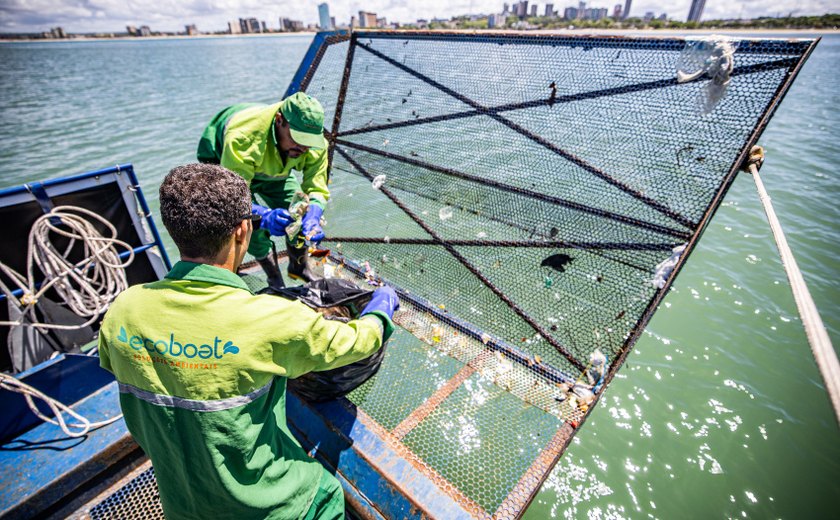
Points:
x=264, y=144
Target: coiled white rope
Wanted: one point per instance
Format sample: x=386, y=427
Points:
x=818, y=337
x=82, y=427
x=88, y=286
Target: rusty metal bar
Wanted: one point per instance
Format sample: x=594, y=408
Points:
x=471, y=268
x=536, y=195
x=639, y=87
x=403, y=451
x=529, y=484
x=652, y=203
x=553, y=244
x=440, y=395
x=339, y=107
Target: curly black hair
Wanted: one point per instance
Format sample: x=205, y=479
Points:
x=201, y=205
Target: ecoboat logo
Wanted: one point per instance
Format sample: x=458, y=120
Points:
x=175, y=348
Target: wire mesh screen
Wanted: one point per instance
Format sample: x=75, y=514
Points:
x=531, y=197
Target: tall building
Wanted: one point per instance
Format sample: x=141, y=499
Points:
x=324, y=17
x=191, y=29
x=521, y=9
x=353, y=22
x=581, y=10
x=696, y=10
x=549, y=10
x=288, y=25
x=534, y=10
x=367, y=19
x=626, y=12
x=617, y=12
x=233, y=27
x=249, y=25
x=496, y=20
x=570, y=13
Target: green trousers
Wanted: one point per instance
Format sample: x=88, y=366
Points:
x=274, y=194
x=328, y=503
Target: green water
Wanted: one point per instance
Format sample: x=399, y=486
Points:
x=719, y=411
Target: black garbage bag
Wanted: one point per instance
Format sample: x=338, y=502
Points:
x=340, y=300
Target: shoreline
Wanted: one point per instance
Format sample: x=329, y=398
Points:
x=576, y=31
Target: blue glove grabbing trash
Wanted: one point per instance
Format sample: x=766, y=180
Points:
x=384, y=300
x=311, y=224
x=273, y=220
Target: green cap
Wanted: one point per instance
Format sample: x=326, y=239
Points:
x=305, y=116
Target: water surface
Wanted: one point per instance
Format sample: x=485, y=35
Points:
x=719, y=411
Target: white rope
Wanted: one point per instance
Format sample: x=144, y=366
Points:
x=815, y=330
x=88, y=286
x=83, y=426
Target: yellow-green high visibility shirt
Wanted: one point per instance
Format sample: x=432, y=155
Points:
x=202, y=364
x=251, y=151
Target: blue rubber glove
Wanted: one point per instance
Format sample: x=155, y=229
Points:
x=384, y=300
x=311, y=224
x=273, y=220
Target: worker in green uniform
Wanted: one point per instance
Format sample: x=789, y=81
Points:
x=264, y=144
x=202, y=364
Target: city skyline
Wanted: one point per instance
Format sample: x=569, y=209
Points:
x=80, y=16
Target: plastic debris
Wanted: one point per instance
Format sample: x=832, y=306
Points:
x=481, y=234
x=370, y=275
x=548, y=282
x=666, y=267
x=445, y=213
x=712, y=57
x=597, y=369
x=297, y=209
x=437, y=333
x=485, y=338
x=584, y=394
x=378, y=181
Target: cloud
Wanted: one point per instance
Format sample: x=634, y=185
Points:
x=213, y=15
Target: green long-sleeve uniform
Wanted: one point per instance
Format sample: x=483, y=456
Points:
x=202, y=365
x=241, y=139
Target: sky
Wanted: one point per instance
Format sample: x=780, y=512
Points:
x=82, y=16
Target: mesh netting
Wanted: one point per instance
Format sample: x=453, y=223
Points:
x=524, y=193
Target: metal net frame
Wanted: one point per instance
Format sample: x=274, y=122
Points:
x=523, y=193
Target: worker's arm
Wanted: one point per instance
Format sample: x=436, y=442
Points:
x=315, y=177
x=325, y=344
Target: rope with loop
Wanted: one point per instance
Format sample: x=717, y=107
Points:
x=818, y=337
x=88, y=286
x=83, y=425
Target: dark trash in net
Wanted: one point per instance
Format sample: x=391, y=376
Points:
x=340, y=300
x=557, y=262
